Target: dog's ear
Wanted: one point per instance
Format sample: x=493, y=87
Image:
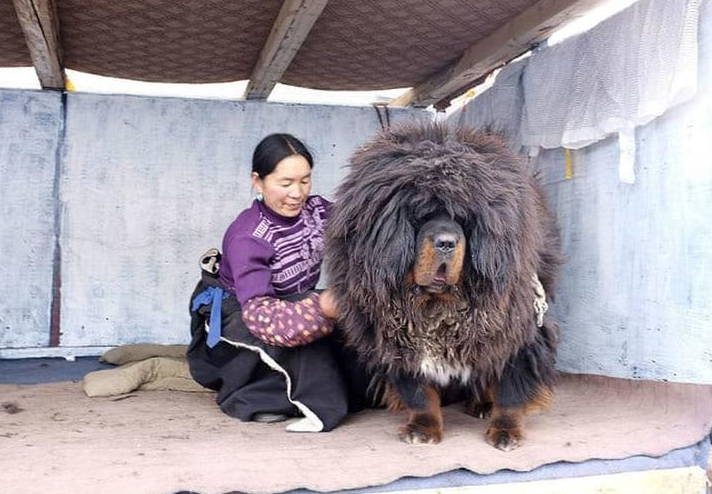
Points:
x=494, y=251
x=389, y=250
x=369, y=247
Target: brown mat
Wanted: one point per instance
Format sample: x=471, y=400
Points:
x=154, y=442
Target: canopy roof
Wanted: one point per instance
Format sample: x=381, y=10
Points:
x=438, y=47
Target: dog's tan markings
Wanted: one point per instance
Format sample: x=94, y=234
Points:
x=424, y=426
x=429, y=260
x=392, y=400
x=425, y=268
x=541, y=401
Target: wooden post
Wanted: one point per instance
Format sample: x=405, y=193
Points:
x=39, y=22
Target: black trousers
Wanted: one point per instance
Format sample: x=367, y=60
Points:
x=251, y=376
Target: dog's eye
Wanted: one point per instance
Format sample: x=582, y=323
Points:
x=427, y=217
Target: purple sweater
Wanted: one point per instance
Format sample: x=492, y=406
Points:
x=266, y=255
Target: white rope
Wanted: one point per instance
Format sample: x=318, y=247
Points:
x=540, y=305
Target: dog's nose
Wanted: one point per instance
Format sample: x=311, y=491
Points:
x=445, y=242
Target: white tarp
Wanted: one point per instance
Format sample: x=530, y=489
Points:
x=619, y=75
x=499, y=108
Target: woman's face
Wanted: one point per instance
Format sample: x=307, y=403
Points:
x=286, y=189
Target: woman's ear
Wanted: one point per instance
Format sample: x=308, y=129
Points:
x=257, y=183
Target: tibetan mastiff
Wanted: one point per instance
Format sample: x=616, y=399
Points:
x=441, y=252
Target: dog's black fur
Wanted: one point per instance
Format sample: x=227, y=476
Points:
x=432, y=247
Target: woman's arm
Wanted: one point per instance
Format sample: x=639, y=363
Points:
x=274, y=321
x=284, y=323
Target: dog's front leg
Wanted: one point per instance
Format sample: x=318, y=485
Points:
x=422, y=402
x=524, y=387
x=480, y=404
x=506, y=427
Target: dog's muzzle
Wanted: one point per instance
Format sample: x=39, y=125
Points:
x=440, y=255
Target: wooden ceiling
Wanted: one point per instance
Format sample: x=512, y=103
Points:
x=439, y=48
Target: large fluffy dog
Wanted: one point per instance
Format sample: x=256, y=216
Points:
x=438, y=246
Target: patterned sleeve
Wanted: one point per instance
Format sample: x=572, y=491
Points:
x=282, y=323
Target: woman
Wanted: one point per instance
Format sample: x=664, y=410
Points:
x=274, y=249
x=271, y=356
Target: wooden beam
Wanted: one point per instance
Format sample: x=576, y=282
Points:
x=289, y=31
x=40, y=25
x=508, y=42
x=444, y=103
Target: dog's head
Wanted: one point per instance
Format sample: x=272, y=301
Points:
x=439, y=255
x=431, y=205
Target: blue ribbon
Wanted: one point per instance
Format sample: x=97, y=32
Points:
x=212, y=295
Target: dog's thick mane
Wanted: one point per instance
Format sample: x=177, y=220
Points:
x=396, y=181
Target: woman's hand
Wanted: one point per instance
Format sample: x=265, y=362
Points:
x=328, y=304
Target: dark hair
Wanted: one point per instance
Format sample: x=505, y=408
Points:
x=273, y=149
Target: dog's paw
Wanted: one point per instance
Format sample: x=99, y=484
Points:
x=481, y=410
x=504, y=439
x=416, y=434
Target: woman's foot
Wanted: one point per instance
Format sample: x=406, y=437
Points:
x=269, y=418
